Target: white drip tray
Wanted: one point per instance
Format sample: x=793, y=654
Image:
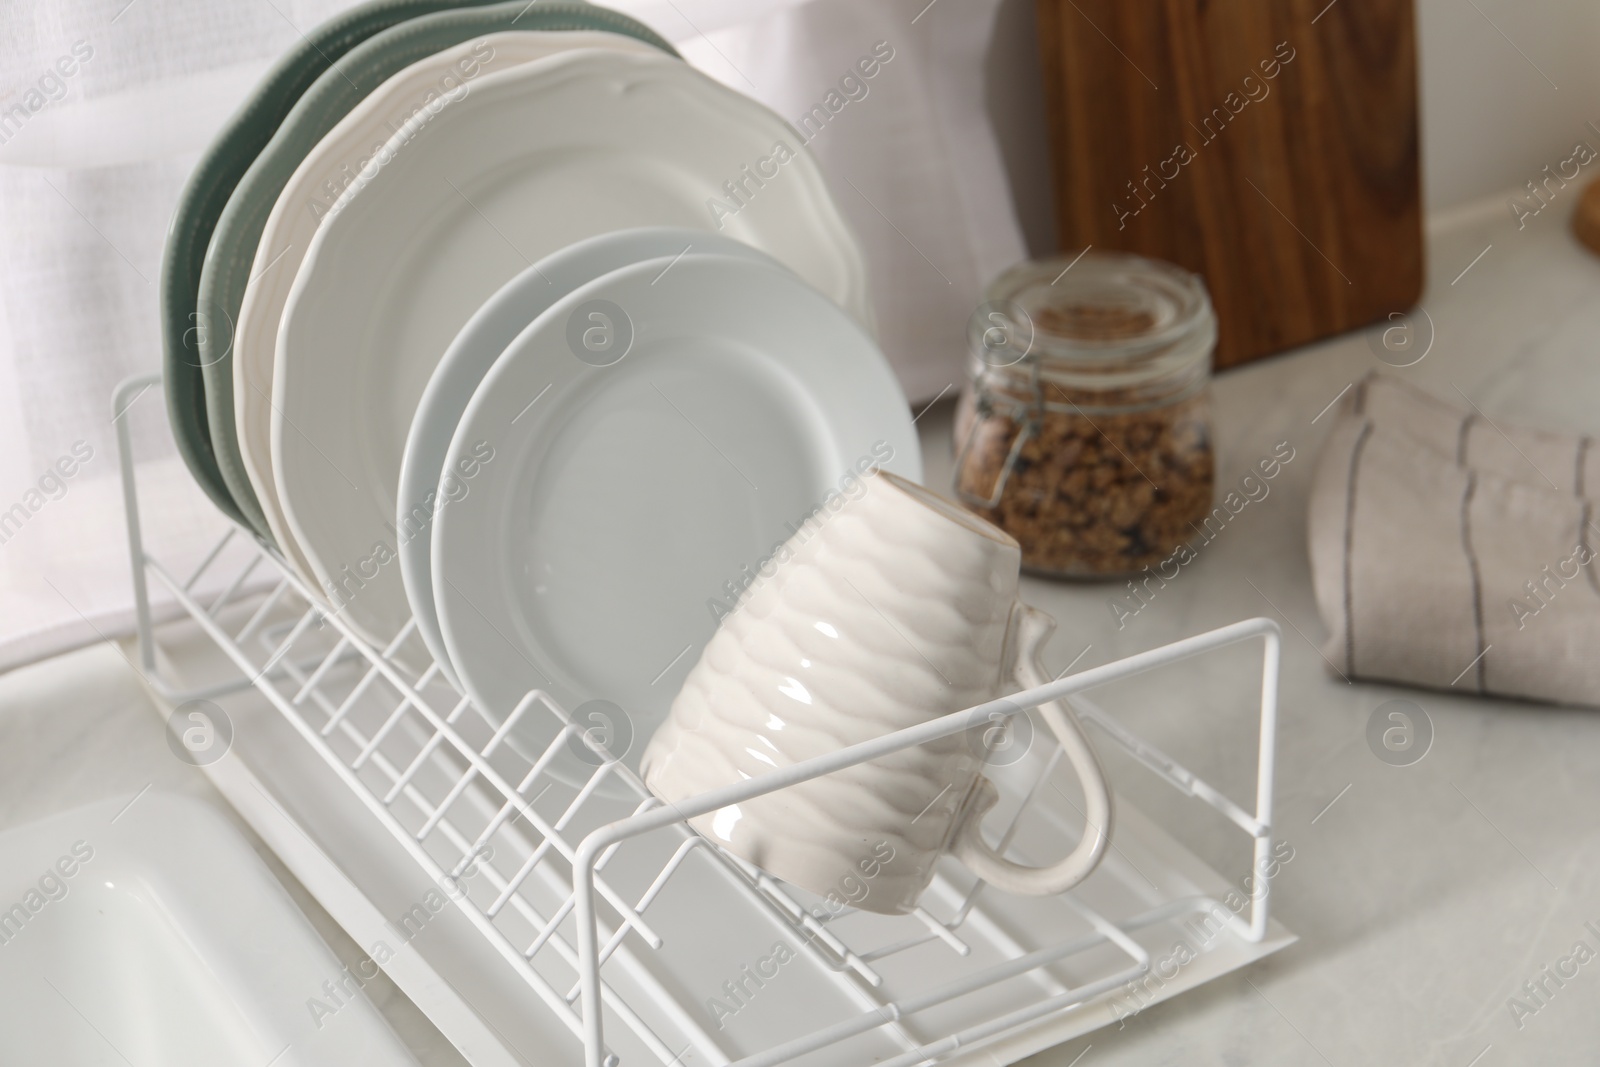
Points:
x=150, y=933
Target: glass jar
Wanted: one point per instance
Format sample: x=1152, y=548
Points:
x=1084, y=429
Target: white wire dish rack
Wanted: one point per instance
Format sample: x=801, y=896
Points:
x=651, y=944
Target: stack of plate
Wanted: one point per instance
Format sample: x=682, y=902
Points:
x=513, y=324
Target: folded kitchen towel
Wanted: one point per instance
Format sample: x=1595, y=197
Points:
x=1452, y=552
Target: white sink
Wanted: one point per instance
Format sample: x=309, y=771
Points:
x=150, y=934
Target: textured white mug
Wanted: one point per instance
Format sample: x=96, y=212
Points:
x=897, y=608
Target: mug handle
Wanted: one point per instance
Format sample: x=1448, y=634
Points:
x=1030, y=627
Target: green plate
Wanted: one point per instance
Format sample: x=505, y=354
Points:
x=183, y=327
x=196, y=333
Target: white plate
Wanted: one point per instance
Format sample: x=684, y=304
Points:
x=469, y=358
x=622, y=500
x=157, y=936
x=311, y=191
x=530, y=161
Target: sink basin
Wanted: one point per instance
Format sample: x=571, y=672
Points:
x=150, y=933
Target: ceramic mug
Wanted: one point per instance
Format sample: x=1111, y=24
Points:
x=897, y=608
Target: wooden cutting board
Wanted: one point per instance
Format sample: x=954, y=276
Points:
x=1269, y=145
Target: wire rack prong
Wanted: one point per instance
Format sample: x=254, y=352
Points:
x=232, y=588
x=210, y=558
x=262, y=613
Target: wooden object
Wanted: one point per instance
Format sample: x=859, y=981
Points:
x=1586, y=217
x=1269, y=145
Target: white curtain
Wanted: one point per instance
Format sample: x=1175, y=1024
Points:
x=106, y=104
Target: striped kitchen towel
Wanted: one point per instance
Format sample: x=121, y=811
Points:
x=1454, y=552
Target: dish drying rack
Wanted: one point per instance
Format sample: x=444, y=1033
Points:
x=570, y=882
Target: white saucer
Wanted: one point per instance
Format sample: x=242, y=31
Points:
x=468, y=359
x=625, y=502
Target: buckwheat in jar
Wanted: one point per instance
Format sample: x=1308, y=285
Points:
x=1084, y=429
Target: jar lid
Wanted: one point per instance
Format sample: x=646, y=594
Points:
x=1097, y=313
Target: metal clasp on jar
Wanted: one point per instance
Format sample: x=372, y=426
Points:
x=1026, y=416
